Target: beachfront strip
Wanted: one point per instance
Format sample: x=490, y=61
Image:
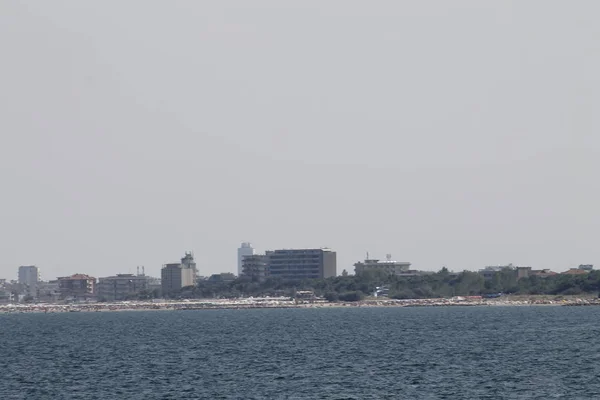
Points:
x=297, y=265
x=286, y=302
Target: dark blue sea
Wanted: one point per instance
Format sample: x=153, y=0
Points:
x=357, y=353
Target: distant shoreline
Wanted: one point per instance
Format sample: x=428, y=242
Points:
x=283, y=303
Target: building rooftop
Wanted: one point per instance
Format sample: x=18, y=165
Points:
x=303, y=248
x=77, y=277
x=374, y=261
x=576, y=271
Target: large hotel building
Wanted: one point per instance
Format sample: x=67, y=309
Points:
x=291, y=264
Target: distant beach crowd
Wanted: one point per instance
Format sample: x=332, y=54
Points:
x=283, y=302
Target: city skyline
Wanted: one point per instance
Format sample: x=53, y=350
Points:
x=256, y=251
x=462, y=134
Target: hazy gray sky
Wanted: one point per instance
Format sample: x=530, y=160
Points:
x=458, y=133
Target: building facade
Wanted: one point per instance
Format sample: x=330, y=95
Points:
x=29, y=276
x=490, y=271
x=576, y=271
x=517, y=272
x=255, y=266
x=175, y=276
x=6, y=294
x=297, y=264
x=77, y=287
x=223, y=277
x=188, y=262
x=244, y=250
x=121, y=286
x=48, y=292
x=388, y=266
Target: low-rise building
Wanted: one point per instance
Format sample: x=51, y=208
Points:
x=305, y=295
x=381, y=291
x=490, y=271
x=518, y=272
x=223, y=277
x=9, y=291
x=576, y=271
x=542, y=273
x=77, y=287
x=48, y=292
x=121, y=286
x=523, y=272
x=154, y=284
x=388, y=266
x=527, y=272
x=6, y=295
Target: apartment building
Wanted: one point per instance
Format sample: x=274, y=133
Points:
x=388, y=266
x=175, y=276
x=121, y=286
x=77, y=287
x=255, y=266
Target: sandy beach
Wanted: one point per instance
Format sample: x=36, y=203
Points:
x=282, y=302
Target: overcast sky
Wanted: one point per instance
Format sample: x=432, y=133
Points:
x=457, y=133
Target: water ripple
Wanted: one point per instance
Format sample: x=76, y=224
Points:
x=387, y=353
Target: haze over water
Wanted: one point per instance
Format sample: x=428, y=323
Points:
x=395, y=353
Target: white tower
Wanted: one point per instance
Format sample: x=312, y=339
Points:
x=29, y=276
x=245, y=249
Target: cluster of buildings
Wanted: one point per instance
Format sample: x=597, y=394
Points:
x=82, y=287
x=527, y=272
x=299, y=264
x=77, y=287
x=28, y=285
x=286, y=264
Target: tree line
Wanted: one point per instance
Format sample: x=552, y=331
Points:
x=435, y=285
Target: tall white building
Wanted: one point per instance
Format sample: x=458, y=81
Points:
x=29, y=276
x=245, y=249
x=188, y=262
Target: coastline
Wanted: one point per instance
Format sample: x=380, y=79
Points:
x=283, y=303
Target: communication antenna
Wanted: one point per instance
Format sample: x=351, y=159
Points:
x=143, y=271
x=138, y=270
x=367, y=255
x=388, y=257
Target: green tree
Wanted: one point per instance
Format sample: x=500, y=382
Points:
x=332, y=296
x=351, y=296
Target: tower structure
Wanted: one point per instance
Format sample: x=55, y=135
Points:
x=245, y=249
x=29, y=276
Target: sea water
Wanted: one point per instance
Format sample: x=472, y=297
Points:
x=338, y=353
